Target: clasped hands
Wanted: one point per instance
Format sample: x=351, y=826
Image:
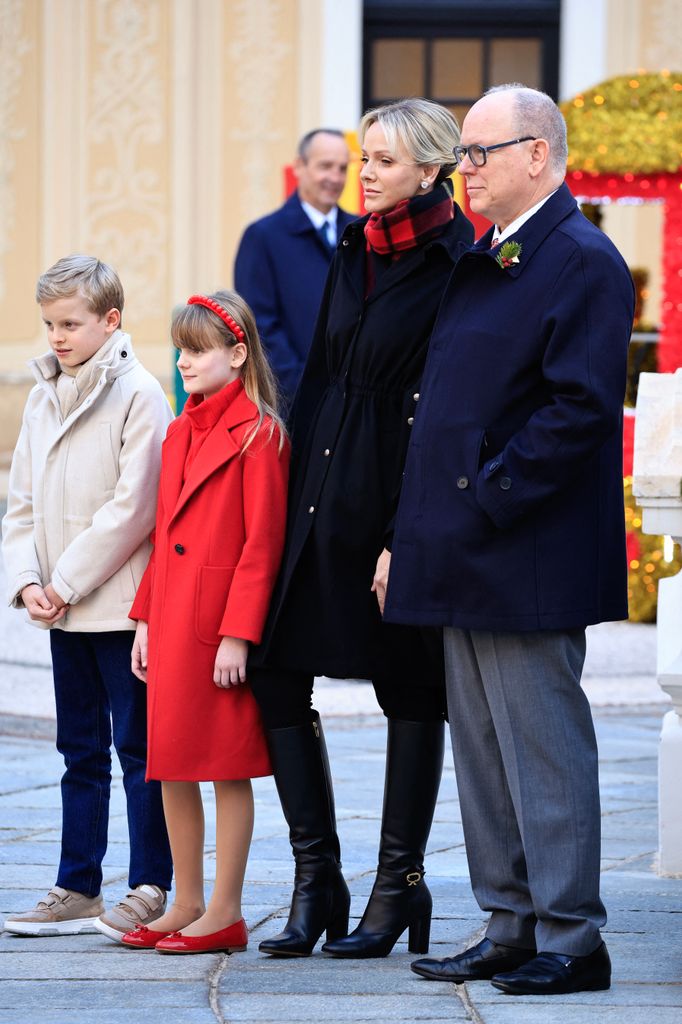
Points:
x=43, y=604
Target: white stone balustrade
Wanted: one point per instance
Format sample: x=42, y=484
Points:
x=657, y=486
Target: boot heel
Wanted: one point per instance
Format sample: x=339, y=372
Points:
x=420, y=932
x=337, y=927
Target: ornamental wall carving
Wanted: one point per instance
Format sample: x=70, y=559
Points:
x=125, y=201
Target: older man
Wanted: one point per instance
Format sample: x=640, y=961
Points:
x=510, y=534
x=283, y=259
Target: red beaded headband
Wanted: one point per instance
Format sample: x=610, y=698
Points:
x=215, y=307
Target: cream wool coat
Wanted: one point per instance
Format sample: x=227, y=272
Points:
x=82, y=490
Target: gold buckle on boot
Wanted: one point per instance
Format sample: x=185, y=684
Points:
x=413, y=878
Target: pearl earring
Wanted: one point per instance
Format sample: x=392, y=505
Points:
x=425, y=184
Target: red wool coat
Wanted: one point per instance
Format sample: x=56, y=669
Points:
x=217, y=548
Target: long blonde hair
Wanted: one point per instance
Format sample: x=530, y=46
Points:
x=199, y=328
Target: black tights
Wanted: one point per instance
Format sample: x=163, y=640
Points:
x=285, y=698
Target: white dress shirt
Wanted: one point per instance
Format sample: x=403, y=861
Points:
x=500, y=236
x=318, y=218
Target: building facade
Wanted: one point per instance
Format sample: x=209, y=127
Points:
x=150, y=132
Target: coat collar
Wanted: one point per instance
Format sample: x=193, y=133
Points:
x=453, y=241
x=219, y=447
x=114, y=358
x=534, y=232
x=299, y=223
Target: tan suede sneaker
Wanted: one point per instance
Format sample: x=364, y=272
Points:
x=141, y=906
x=62, y=912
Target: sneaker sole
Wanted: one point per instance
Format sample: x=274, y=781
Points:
x=79, y=926
x=111, y=933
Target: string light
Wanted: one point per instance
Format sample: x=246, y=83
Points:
x=633, y=119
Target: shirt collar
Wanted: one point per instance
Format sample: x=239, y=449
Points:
x=318, y=218
x=511, y=229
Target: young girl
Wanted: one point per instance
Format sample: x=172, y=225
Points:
x=204, y=597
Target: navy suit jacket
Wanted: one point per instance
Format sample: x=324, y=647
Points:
x=511, y=510
x=280, y=269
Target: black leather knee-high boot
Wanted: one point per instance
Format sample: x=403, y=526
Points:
x=400, y=898
x=321, y=900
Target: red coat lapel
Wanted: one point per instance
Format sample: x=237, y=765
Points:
x=222, y=444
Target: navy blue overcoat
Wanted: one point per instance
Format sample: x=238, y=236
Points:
x=281, y=269
x=511, y=510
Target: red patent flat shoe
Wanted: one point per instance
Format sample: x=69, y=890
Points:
x=143, y=937
x=233, y=939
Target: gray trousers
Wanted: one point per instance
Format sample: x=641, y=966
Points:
x=527, y=774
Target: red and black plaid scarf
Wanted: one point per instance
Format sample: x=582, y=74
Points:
x=412, y=222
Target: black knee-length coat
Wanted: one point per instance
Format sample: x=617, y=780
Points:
x=350, y=428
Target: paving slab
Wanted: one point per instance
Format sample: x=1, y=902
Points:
x=63, y=980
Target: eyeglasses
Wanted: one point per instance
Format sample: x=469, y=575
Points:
x=479, y=154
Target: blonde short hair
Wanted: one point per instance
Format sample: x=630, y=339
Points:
x=97, y=282
x=424, y=130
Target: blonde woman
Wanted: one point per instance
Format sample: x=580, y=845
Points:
x=351, y=422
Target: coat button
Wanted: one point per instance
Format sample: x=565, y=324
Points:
x=505, y=483
x=416, y=396
x=462, y=482
x=311, y=509
x=410, y=420
x=326, y=452
x=124, y=354
x=345, y=242
x=180, y=549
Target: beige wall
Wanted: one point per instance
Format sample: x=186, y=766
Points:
x=149, y=133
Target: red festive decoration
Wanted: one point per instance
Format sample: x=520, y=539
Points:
x=628, y=440
x=593, y=187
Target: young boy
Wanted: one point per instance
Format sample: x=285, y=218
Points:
x=81, y=505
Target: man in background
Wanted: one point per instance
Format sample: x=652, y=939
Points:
x=283, y=258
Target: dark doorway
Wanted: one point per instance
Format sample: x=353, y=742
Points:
x=451, y=51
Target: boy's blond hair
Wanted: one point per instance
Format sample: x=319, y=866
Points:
x=96, y=282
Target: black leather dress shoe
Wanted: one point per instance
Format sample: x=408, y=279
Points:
x=479, y=963
x=553, y=974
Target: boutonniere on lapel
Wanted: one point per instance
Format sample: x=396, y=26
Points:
x=508, y=255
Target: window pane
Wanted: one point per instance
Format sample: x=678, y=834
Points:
x=397, y=68
x=515, y=60
x=457, y=68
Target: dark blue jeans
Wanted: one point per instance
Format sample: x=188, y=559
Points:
x=97, y=694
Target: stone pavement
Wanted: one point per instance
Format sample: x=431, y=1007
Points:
x=87, y=979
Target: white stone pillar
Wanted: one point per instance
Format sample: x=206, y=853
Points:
x=657, y=486
x=669, y=802
x=330, y=66
x=583, y=45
